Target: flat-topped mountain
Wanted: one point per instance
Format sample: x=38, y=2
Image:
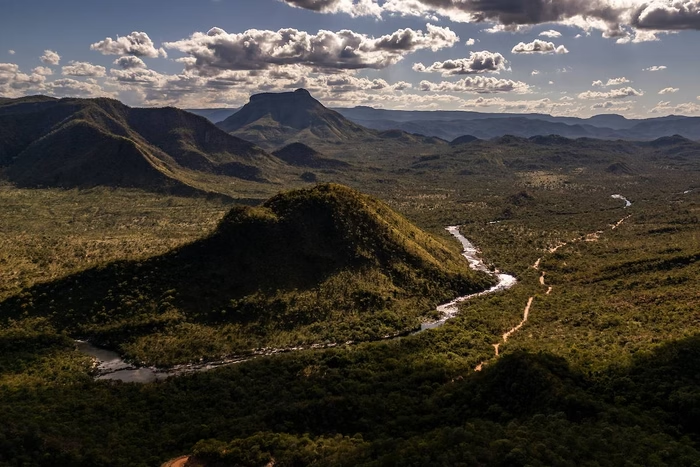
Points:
x=314, y=265
x=273, y=119
x=90, y=142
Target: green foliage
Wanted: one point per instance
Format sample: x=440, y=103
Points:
x=325, y=264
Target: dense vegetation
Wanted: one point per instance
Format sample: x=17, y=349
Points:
x=603, y=373
x=320, y=265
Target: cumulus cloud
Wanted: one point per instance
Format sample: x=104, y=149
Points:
x=539, y=47
x=603, y=105
x=665, y=107
x=43, y=71
x=14, y=83
x=136, y=43
x=50, y=57
x=535, y=72
x=655, y=68
x=476, y=84
x=68, y=87
x=470, y=42
x=668, y=15
x=211, y=53
x=611, y=106
x=129, y=62
x=83, y=69
x=11, y=52
x=669, y=90
x=612, y=94
x=622, y=20
x=551, y=33
x=611, y=82
x=478, y=62
x=352, y=7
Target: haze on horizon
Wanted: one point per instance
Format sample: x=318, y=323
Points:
x=577, y=58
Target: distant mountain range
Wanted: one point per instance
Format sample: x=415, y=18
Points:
x=89, y=142
x=449, y=125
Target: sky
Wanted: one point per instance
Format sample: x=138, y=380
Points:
x=561, y=57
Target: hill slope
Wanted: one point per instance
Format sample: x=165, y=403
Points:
x=90, y=142
x=271, y=119
x=316, y=265
x=301, y=155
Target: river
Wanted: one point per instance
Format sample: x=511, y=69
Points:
x=109, y=365
x=628, y=203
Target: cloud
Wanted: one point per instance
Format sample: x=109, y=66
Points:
x=83, y=69
x=655, y=68
x=350, y=7
x=551, y=33
x=477, y=85
x=11, y=52
x=14, y=83
x=612, y=94
x=470, y=42
x=669, y=90
x=129, y=62
x=663, y=15
x=216, y=51
x=68, y=87
x=622, y=20
x=539, y=47
x=611, y=82
x=603, y=105
x=519, y=106
x=613, y=106
x=478, y=62
x=43, y=71
x=136, y=43
x=665, y=107
x=535, y=72
x=50, y=57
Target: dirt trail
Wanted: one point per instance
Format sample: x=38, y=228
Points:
x=177, y=462
x=620, y=222
x=526, y=314
x=591, y=237
x=496, y=347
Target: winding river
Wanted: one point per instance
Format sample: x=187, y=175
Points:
x=110, y=366
x=628, y=203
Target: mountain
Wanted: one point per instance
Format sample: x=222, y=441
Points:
x=90, y=142
x=314, y=265
x=449, y=125
x=274, y=119
x=215, y=115
x=301, y=155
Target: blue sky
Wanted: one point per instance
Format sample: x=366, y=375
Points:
x=565, y=58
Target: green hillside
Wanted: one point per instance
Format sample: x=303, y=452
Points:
x=325, y=264
x=101, y=142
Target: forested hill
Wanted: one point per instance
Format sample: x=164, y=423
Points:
x=315, y=265
x=91, y=142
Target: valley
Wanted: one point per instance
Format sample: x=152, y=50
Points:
x=301, y=281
